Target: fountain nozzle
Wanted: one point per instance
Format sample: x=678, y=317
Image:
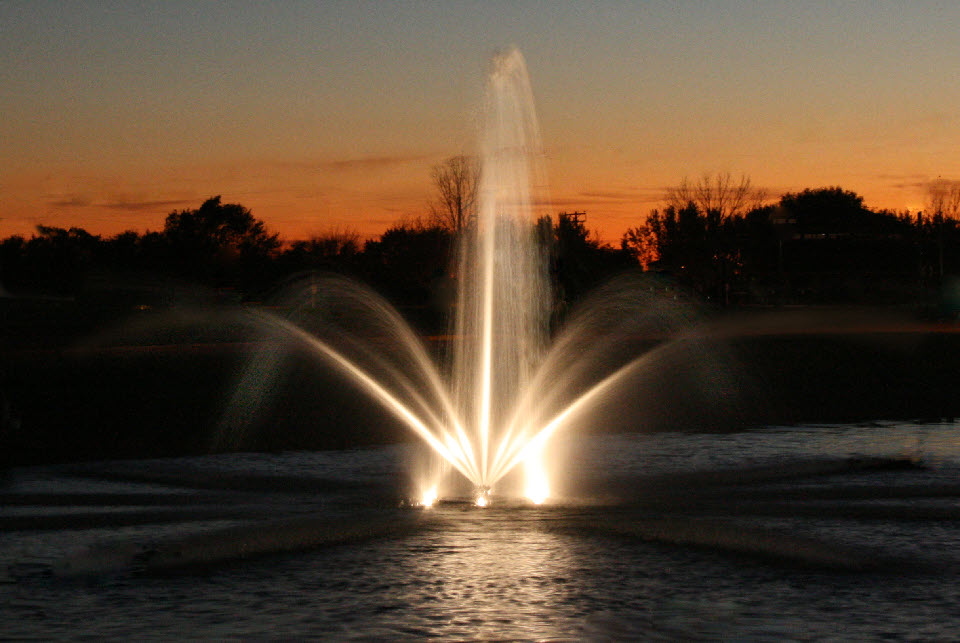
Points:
x=482, y=495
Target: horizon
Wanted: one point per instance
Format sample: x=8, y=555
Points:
x=329, y=117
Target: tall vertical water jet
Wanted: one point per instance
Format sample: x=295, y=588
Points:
x=503, y=299
x=506, y=392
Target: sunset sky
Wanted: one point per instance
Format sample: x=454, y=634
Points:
x=329, y=115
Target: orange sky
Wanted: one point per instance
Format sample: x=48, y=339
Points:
x=331, y=115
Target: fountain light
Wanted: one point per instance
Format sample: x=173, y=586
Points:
x=429, y=497
x=537, y=490
x=480, y=418
x=537, y=487
x=483, y=496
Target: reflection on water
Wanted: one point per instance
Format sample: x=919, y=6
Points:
x=481, y=573
x=508, y=572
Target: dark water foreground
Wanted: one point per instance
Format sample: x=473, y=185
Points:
x=166, y=393
x=815, y=532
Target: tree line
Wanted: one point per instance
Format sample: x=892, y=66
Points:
x=225, y=249
x=816, y=246
x=720, y=237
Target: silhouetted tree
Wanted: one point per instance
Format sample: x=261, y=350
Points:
x=840, y=250
x=222, y=244
x=337, y=251
x=410, y=264
x=12, y=260
x=942, y=210
x=943, y=199
x=456, y=180
x=714, y=255
x=580, y=261
x=719, y=194
x=685, y=243
x=643, y=242
x=830, y=210
x=698, y=237
x=122, y=251
x=56, y=260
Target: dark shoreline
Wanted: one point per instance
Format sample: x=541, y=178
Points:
x=76, y=402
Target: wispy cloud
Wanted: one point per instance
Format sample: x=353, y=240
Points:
x=147, y=205
x=589, y=198
x=902, y=177
x=369, y=163
x=133, y=205
x=71, y=202
x=911, y=185
x=772, y=193
x=907, y=181
x=608, y=195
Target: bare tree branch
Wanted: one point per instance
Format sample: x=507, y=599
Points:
x=456, y=180
x=943, y=198
x=720, y=194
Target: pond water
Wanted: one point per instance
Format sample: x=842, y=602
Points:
x=565, y=572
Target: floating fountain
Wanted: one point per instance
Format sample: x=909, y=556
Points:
x=507, y=389
x=503, y=301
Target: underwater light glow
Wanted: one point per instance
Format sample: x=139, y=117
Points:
x=537, y=488
x=507, y=386
x=429, y=497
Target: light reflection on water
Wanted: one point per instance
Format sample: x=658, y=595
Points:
x=487, y=570
x=515, y=573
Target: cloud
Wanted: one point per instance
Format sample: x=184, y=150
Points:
x=370, y=163
x=75, y=202
x=71, y=202
x=910, y=185
x=902, y=177
x=625, y=195
x=772, y=194
x=147, y=205
x=605, y=197
x=905, y=181
x=621, y=200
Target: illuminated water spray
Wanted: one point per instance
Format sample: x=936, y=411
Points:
x=503, y=298
x=505, y=394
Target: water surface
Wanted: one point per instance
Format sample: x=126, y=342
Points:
x=507, y=572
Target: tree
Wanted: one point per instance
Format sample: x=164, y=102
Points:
x=643, y=243
x=12, y=262
x=221, y=243
x=673, y=239
x=840, y=250
x=59, y=258
x=713, y=255
x=335, y=250
x=720, y=194
x=830, y=210
x=943, y=199
x=943, y=205
x=579, y=260
x=409, y=264
x=456, y=180
x=218, y=225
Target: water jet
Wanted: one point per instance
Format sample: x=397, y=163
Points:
x=488, y=411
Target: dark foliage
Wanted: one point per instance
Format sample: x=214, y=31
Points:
x=54, y=260
x=580, y=263
x=815, y=246
x=221, y=245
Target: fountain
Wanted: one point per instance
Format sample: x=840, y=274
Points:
x=489, y=413
x=505, y=392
